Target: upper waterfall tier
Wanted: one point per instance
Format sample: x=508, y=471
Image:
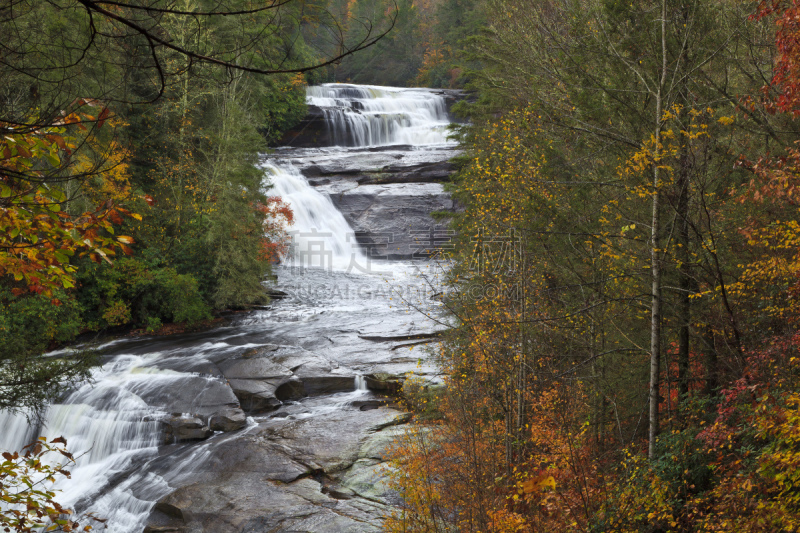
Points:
x=366, y=115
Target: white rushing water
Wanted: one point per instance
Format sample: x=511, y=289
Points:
x=321, y=237
x=107, y=427
x=365, y=115
x=358, y=116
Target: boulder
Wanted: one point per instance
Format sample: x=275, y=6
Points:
x=385, y=383
x=227, y=420
x=181, y=428
x=255, y=395
x=186, y=393
x=318, y=378
x=292, y=389
x=328, y=384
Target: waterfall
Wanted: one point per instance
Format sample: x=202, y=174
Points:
x=109, y=429
x=17, y=431
x=321, y=237
x=112, y=423
x=364, y=115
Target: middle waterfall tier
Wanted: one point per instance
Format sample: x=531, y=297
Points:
x=380, y=116
x=321, y=237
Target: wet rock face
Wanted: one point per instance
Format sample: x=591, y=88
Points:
x=262, y=379
x=227, y=420
x=188, y=393
x=387, y=196
x=385, y=382
x=310, y=132
x=394, y=221
x=290, y=477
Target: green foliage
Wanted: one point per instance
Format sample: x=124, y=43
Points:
x=181, y=142
x=423, y=398
x=30, y=325
x=280, y=105
x=446, y=61
x=395, y=59
x=133, y=292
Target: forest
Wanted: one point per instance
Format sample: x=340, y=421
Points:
x=626, y=274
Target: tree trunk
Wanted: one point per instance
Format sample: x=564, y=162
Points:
x=685, y=284
x=655, y=260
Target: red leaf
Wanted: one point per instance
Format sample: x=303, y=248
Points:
x=102, y=118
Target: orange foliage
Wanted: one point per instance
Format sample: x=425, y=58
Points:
x=511, y=453
x=278, y=216
x=42, y=176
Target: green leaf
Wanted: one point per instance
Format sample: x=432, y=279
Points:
x=58, y=194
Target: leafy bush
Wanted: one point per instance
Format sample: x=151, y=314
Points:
x=132, y=292
x=30, y=325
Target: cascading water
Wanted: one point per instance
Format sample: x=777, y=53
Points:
x=363, y=115
x=109, y=428
x=321, y=237
x=359, y=116
x=113, y=425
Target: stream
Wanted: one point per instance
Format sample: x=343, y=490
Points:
x=279, y=421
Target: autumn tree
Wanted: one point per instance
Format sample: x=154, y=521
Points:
x=607, y=79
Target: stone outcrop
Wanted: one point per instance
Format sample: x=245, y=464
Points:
x=263, y=378
x=310, y=132
x=385, y=383
x=182, y=428
x=295, y=477
x=227, y=420
x=394, y=221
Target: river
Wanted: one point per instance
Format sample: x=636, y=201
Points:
x=276, y=421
